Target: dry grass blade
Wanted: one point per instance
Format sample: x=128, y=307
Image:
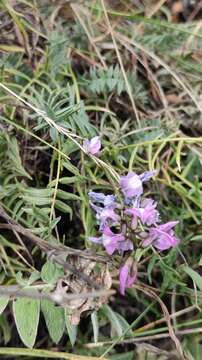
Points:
x=160, y=321
x=121, y=63
x=152, y=294
x=123, y=39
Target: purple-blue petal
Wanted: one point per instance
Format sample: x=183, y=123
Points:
x=131, y=185
x=93, y=145
x=147, y=175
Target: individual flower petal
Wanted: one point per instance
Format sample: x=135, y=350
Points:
x=96, y=240
x=96, y=197
x=107, y=216
x=131, y=185
x=111, y=241
x=92, y=146
x=168, y=226
x=127, y=275
x=104, y=206
x=162, y=237
x=146, y=212
x=100, y=198
x=135, y=214
x=147, y=175
x=109, y=201
x=126, y=245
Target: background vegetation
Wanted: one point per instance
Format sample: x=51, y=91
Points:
x=129, y=71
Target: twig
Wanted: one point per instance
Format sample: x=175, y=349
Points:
x=60, y=298
x=152, y=294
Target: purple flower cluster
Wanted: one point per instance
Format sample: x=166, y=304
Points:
x=130, y=223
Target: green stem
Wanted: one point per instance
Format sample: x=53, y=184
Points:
x=40, y=353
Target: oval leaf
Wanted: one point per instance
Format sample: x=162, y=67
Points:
x=195, y=276
x=94, y=320
x=51, y=272
x=3, y=303
x=114, y=320
x=71, y=329
x=54, y=318
x=26, y=313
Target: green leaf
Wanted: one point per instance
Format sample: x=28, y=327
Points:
x=94, y=320
x=54, y=318
x=61, y=194
x=194, y=275
x=15, y=161
x=35, y=275
x=5, y=329
x=63, y=207
x=3, y=303
x=124, y=324
x=51, y=272
x=71, y=329
x=26, y=315
x=114, y=320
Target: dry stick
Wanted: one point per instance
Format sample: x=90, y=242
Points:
x=120, y=63
x=54, y=251
x=60, y=298
x=152, y=294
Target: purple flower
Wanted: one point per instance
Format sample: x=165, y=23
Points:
x=131, y=184
x=92, y=146
x=135, y=214
x=127, y=275
x=104, y=206
x=107, y=216
x=146, y=212
x=147, y=175
x=162, y=237
x=100, y=198
x=112, y=242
